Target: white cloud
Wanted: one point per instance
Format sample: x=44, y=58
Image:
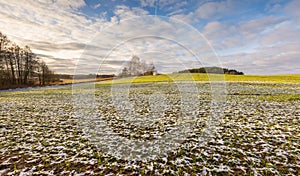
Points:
x=258, y=26
x=266, y=45
x=170, y=3
x=96, y=6
x=282, y=35
x=187, y=18
x=150, y=3
x=65, y=4
x=215, y=9
x=53, y=22
x=143, y=35
x=59, y=31
x=125, y=12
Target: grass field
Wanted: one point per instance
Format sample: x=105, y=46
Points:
x=291, y=79
x=258, y=133
x=72, y=81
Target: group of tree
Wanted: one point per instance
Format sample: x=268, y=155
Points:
x=137, y=67
x=21, y=67
x=214, y=70
x=82, y=76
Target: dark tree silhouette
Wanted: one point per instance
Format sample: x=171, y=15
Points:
x=20, y=66
x=214, y=70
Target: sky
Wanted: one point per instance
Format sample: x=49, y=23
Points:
x=90, y=36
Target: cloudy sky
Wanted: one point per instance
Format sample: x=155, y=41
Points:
x=90, y=36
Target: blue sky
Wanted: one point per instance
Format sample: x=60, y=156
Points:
x=256, y=37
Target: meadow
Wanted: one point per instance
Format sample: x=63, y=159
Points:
x=288, y=79
x=258, y=133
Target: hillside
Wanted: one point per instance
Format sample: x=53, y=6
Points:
x=213, y=70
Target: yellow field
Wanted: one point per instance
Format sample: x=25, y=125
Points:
x=290, y=79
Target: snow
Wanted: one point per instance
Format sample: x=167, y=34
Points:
x=40, y=133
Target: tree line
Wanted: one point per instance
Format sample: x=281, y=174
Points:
x=214, y=70
x=21, y=67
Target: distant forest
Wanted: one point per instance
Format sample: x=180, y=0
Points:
x=215, y=70
x=20, y=67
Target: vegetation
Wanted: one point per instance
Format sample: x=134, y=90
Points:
x=290, y=79
x=213, y=70
x=43, y=131
x=21, y=67
x=281, y=97
x=268, y=78
x=137, y=67
x=258, y=133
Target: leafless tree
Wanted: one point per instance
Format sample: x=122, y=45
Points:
x=20, y=66
x=137, y=67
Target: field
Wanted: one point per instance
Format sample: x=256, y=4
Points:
x=71, y=81
x=288, y=79
x=257, y=131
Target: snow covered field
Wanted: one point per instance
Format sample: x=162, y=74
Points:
x=258, y=134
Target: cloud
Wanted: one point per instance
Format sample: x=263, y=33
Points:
x=45, y=21
x=150, y=3
x=96, y=6
x=215, y=9
x=278, y=59
x=246, y=38
x=273, y=7
x=53, y=28
x=292, y=9
x=60, y=65
x=282, y=35
x=223, y=36
x=143, y=35
x=258, y=26
x=171, y=4
x=187, y=18
x=66, y=4
x=124, y=12
x=264, y=45
x=47, y=46
x=217, y=30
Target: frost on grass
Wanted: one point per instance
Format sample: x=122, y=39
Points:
x=258, y=134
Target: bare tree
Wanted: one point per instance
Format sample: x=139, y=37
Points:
x=20, y=66
x=29, y=64
x=138, y=67
x=124, y=72
x=3, y=43
x=11, y=61
x=134, y=66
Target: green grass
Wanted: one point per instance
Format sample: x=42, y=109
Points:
x=281, y=98
x=167, y=78
x=291, y=79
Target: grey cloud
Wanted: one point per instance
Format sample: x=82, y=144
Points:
x=216, y=10
x=283, y=34
x=267, y=60
x=147, y=3
x=48, y=46
x=258, y=26
x=292, y=8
